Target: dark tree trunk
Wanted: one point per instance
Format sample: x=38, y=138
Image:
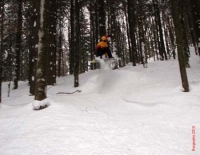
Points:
x=77, y=51
x=162, y=51
x=51, y=69
x=128, y=33
x=185, y=39
x=190, y=17
x=178, y=30
x=131, y=17
x=109, y=16
x=35, y=19
x=60, y=50
x=196, y=16
x=113, y=24
x=171, y=34
x=92, y=33
x=60, y=53
x=18, y=45
x=71, y=57
x=2, y=46
x=102, y=18
x=141, y=39
x=96, y=21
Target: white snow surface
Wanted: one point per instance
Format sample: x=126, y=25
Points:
x=128, y=111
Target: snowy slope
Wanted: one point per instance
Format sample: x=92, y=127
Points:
x=129, y=111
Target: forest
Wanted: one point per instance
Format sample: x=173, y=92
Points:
x=44, y=39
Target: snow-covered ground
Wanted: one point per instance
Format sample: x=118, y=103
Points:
x=129, y=111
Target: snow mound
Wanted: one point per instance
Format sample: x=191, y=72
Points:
x=41, y=104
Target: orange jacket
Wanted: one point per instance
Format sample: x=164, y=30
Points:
x=102, y=44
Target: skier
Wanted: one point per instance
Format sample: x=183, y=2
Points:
x=103, y=48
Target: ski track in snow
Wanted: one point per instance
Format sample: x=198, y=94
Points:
x=131, y=111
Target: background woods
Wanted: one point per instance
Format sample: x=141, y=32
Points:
x=42, y=40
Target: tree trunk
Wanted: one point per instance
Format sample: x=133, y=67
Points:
x=35, y=19
x=51, y=69
x=196, y=16
x=141, y=40
x=128, y=33
x=77, y=51
x=40, y=91
x=177, y=23
x=71, y=57
x=159, y=29
x=102, y=18
x=2, y=46
x=60, y=50
x=113, y=27
x=92, y=34
x=96, y=22
x=18, y=45
x=172, y=39
x=131, y=17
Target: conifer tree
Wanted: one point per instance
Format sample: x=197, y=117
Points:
x=33, y=43
x=176, y=7
x=77, y=49
x=2, y=49
x=18, y=45
x=102, y=18
x=132, y=27
x=40, y=91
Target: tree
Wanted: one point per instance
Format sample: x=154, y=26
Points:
x=33, y=43
x=131, y=19
x=2, y=49
x=159, y=30
x=71, y=38
x=18, y=45
x=92, y=9
x=51, y=26
x=77, y=49
x=102, y=18
x=176, y=7
x=196, y=19
x=40, y=91
x=60, y=35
